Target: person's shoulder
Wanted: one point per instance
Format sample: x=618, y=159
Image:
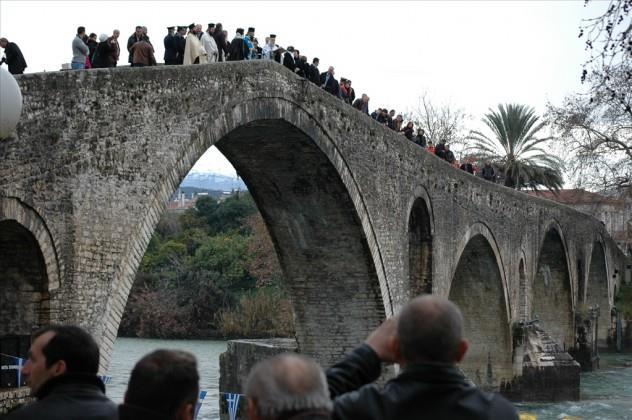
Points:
x=365, y=403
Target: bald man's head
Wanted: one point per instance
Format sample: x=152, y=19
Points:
x=286, y=383
x=430, y=329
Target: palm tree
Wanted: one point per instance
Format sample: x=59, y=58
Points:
x=515, y=149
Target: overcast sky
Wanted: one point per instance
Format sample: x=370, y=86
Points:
x=472, y=54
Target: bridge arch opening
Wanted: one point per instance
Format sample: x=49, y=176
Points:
x=319, y=238
x=24, y=298
x=420, y=248
x=552, y=301
x=477, y=288
x=597, y=290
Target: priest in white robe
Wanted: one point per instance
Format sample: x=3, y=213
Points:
x=194, y=52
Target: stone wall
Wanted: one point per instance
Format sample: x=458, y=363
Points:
x=13, y=398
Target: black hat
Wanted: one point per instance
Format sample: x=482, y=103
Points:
x=290, y=49
x=240, y=31
x=191, y=26
x=251, y=29
x=272, y=36
x=171, y=28
x=211, y=25
x=180, y=28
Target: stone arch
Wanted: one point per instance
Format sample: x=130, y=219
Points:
x=420, y=234
x=597, y=291
x=552, y=288
x=28, y=269
x=479, y=289
x=288, y=160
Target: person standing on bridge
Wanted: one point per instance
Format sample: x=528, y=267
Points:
x=171, y=47
x=13, y=57
x=329, y=83
x=143, y=54
x=115, y=48
x=220, y=40
x=181, y=43
x=137, y=36
x=194, y=52
x=427, y=341
x=79, y=50
x=208, y=42
x=238, y=49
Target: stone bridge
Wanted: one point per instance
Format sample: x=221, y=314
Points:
x=362, y=219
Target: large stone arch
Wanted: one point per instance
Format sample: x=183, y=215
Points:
x=313, y=209
x=29, y=269
x=478, y=287
x=552, y=291
x=420, y=227
x=597, y=292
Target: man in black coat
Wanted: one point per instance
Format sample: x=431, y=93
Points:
x=288, y=59
x=314, y=73
x=427, y=342
x=180, y=43
x=329, y=83
x=137, y=36
x=420, y=139
x=440, y=149
x=62, y=373
x=171, y=47
x=220, y=40
x=238, y=50
x=14, y=58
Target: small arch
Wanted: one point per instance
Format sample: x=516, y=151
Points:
x=24, y=297
x=478, y=289
x=597, y=289
x=552, y=289
x=420, y=233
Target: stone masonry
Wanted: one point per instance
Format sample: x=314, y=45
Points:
x=97, y=154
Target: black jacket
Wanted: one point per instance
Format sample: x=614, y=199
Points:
x=288, y=60
x=314, y=74
x=330, y=85
x=238, y=50
x=69, y=397
x=133, y=412
x=171, y=49
x=423, y=391
x=14, y=58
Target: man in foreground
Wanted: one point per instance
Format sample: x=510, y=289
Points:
x=427, y=342
x=164, y=385
x=62, y=373
x=288, y=387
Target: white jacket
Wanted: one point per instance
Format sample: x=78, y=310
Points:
x=210, y=46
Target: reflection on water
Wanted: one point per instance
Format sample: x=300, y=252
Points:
x=606, y=394
x=127, y=351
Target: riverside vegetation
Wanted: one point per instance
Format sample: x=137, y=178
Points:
x=209, y=272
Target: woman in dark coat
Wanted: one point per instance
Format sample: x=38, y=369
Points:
x=103, y=54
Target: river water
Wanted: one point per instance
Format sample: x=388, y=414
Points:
x=605, y=394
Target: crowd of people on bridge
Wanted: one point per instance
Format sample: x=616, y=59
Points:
x=185, y=45
x=425, y=339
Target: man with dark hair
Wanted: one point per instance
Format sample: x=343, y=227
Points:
x=137, y=36
x=171, y=46
x=238, y=50
x=287, y=386
x=426, y=341
x=62, y=373
x=13, y=57
x=79, y=50
x=314, y=73
x=164, y=385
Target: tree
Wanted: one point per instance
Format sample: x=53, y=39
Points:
x=515, y=149
x=439, y=122
x=608, y=39
x=596, y=126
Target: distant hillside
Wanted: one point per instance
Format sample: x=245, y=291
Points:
x=213, y=182
x=189, y=192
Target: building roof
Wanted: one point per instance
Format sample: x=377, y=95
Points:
x=575, y=196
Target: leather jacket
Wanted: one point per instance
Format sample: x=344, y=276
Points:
x=420, y=391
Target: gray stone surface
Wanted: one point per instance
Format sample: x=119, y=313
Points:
x=97, y=154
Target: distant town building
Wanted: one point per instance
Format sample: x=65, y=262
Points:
x=614, y=212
